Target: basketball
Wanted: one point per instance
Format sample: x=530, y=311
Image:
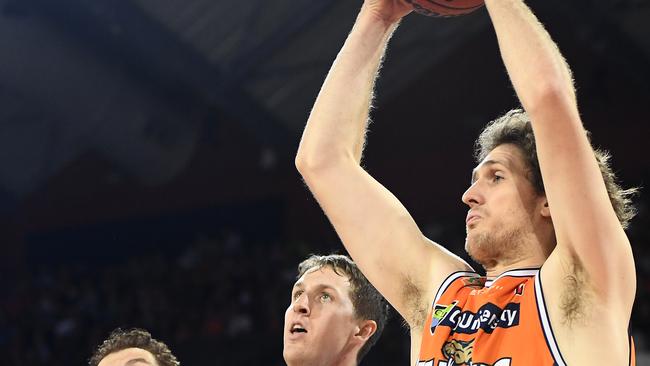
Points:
x=445, y=8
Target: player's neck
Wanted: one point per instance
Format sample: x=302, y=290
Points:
x=347, y=362
x=346, y=358
x=531, y=252
x=525, y=263
x=343, y=361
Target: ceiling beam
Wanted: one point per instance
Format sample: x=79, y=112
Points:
x=122, y=34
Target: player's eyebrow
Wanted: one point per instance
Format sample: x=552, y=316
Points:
x=135, y=361
x=322, y=286
x=317, y=287
x=486, y=163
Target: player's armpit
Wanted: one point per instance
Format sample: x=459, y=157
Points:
x=382, y=237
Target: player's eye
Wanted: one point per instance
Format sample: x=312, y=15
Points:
x=296, y=294
x=324, y=297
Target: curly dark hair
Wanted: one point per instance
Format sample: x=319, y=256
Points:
x=368, y=302
x=134, y=338
x=515, y=128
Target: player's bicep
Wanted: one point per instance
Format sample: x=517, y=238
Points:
x=585, y=223
x=381, y=236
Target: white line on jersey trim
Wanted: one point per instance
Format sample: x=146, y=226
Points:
x=513, y=273
x=546, y=323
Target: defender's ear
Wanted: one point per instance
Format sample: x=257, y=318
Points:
x=366, y=329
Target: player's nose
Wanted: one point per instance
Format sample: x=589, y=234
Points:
x=301, y=305
x=472, y=195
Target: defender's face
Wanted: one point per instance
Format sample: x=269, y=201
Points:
x=320, y=321
x=129, y=357
x=502, y=205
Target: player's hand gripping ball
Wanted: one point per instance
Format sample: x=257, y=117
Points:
x=445, y=8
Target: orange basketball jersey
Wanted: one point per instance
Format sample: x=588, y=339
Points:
x=502, y=322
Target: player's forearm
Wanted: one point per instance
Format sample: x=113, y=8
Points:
x=337, y=124
x=534, y=63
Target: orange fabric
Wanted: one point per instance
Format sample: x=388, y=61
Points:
x=498, y=323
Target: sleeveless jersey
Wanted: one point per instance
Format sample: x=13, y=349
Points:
x=477, y=322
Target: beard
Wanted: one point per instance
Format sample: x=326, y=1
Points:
x=497, y=246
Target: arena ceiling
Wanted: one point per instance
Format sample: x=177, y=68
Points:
x=142, y=82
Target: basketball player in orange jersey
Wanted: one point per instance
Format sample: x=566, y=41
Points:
x=560, y=274
x=133, y=347
x=335, y=315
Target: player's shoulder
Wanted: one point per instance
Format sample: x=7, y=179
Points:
x=580, y=317
x=458, y=280
x=575, y=306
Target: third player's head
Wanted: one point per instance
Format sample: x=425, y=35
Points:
x=335, y=314
x=509, y=217
x=132, y=347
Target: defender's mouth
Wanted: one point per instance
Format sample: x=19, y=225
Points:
x=297, y=328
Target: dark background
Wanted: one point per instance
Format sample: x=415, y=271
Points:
x=146, y=160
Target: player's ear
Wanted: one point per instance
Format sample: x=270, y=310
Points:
x=545, y=210
x=366, y=329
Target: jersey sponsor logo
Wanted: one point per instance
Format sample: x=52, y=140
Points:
x=439, y=313
x=488, y=317
x=459, y=353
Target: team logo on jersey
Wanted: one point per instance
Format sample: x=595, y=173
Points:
x=488, y=318
x=474, y=281
x=459, y=353
x=520, y=289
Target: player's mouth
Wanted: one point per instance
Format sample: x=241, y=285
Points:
x=297, y=328
x=471, y=218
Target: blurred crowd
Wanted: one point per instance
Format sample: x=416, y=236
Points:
x=217, y=300
x=221, y=301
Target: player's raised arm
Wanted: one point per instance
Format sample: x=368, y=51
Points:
x=593, y=253
x=375, y=228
